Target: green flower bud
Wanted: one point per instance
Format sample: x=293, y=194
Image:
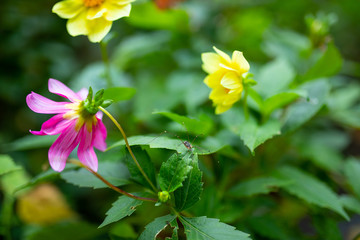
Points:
x=163, y=196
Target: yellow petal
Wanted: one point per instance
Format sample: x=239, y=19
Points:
x=68, y=8
x=223, y=55
x=211, y=62
x=96, y=12
x=218, y=95
x=97, y=29
x=222, y=108
x=116, y=11
x=77, y=25
x=213, y=80
x=231, y=81
x=239, y=62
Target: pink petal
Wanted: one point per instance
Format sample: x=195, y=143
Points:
x=99, y=115
x=53, y=126
x=83, y=93
x=62, y=147
x=61, y=89
x=99, y=136
x=41, y=104
x=86, y=152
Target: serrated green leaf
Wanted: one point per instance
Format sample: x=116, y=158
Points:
x=202, y=126
x=124, y=206
x=250, y=131
x=189, y=194
x=64, y=230
x=277, y=101
x=254, y=134
x=328, y=64
x=155, y=227
x=310, y=189
x=261, y=185
x=301, y=111
x=7, y=165
x=145, y=163
x=115, y=173
x=119, y=93
x=203, y=228
x=173, y=172
x=351, y=203
x=352, y=173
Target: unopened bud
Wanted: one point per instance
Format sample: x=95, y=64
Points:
x=163, y=196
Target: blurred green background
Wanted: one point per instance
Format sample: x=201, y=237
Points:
x=157, y=52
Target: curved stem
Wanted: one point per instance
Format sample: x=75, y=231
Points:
x=110, y=185
x=105, y=58
x=128, y=147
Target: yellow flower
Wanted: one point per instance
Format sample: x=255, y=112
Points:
x=91, y=17
x=225, y=77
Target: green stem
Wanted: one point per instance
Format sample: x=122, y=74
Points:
x=105, y=58
x=246, y=109
x=110, y=185
x=128, y=147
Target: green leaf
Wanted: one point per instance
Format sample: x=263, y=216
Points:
x=64, y=230
x=203, y=228
x=310, y=189
x=327, y=228
x=274, y=77
x=145, y=163
x=12, y=181
x=173, y=172
x=155, y=227
x=328, y=65
x=351, y=203
x=30, y=142
x=137, y=46
x=301, y=111
x=277, y=101
x=202, y=126
x=269, y=227
x=261, y=185
x=115, y=173
x=147, y=15
x=119, y=93
x=121, y=208
x=352, y=173
x=189, y=194
x=250, y=131
x=208, y=146
x=46, y=176
x=7, y=165
x=254, y=134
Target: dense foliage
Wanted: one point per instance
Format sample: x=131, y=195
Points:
x=281, y=163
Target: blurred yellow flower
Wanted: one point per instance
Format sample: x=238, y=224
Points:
x=225, y=77
x=91, y=17
x=44, y=205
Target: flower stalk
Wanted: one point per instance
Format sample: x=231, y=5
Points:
x=105, y=58
x=117, y=124
x=110, y=185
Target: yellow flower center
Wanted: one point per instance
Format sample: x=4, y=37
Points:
x=83, y=117
x=93, y=3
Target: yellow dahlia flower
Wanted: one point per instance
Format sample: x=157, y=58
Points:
x=91, y=17
x=225, y=77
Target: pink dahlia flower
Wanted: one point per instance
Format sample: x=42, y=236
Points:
x=74, y=123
